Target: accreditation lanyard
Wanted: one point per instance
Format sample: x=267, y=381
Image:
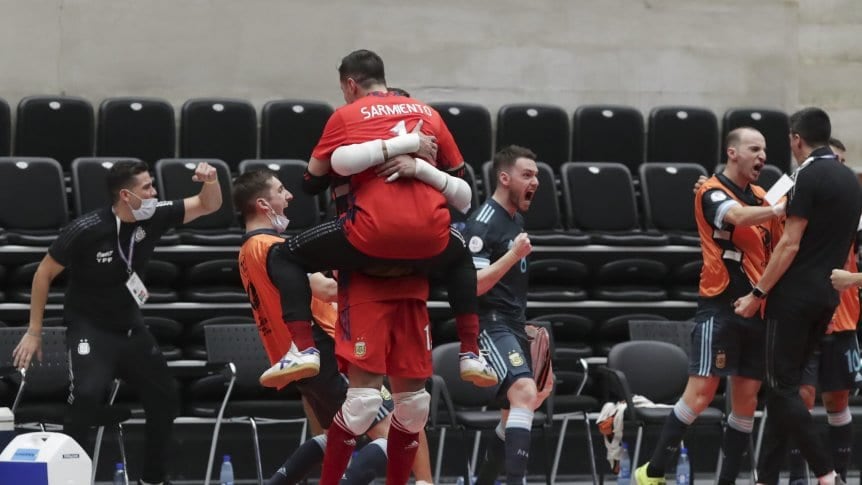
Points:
x=126, y=260
x=806, y=163
x=134, y=284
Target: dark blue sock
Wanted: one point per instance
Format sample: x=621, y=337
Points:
x=368, y=464
x=300, y=463
x=495, y=456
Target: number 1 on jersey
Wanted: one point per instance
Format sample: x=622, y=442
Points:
x=400, y=128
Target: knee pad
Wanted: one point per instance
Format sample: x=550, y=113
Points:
x=411, y=409
x=360, y=408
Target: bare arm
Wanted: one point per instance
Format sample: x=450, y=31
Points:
x=843, y=279
x=742, y=216
x=31, y=342
x=489, y=276
x=209, y=199
x=323, y=288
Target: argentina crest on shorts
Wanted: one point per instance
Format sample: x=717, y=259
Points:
x=359, y=349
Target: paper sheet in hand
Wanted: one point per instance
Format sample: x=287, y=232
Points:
x=781, y=187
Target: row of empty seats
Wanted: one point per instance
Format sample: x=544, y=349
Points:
x=598, y=200
x=65, y=128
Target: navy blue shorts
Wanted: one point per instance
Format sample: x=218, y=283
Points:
x=509, y=356
x=723, y=346
x=835, y=366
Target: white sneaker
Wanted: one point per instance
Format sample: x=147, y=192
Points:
x=293, y=366
x=475, y=369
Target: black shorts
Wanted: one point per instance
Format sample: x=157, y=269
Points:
x=326, y=391
x=835, y=366
x=721, y=345
x=509, y=356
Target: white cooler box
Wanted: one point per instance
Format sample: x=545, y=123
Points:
x=44, y=459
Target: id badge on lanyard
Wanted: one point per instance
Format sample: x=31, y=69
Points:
x=133, y=284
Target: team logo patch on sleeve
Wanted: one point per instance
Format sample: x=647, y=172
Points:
x=476, y=244
x=516, y=359
x=718, y=196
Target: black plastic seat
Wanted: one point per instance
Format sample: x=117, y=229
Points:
x=214, y=281
x=5, y=128
x=136, y=127
x=470, y=125
x=669, y=200
x=58, y=127
x=662, y=382
x=174, y=178
x=21, y=282
x=290, y=128
x=600, y=200
x=683, y=134
x=39, y=193
x=544, y=129
x=224, y=129
x=607, y=133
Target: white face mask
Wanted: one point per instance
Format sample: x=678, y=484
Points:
x=279, y=222
x=147, y=209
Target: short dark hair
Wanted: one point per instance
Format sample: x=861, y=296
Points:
x=734, y=136
x=812, y=125
x=249, y=186
x=398, y=91
x=835, y=142
x=364, y=66
x=122, y=175
x=506, y=157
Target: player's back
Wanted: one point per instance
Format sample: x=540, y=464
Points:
x=405, y=219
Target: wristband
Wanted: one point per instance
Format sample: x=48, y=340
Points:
x=758, y=293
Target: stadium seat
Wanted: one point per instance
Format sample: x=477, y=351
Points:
x=214, y=281
x=775, y=126
x=630, y=279
x=600, y=200
x=174, y=179
x=289, y=128
x=142, y=128
x=683, y=134
x=5, y=129
x=470, y=125
x=162, y=278
x=193, y=338
x=36, y=200
x=662, y=382
x=235, y=395
x=606, y=133
x=669, y=200
x=542, y=221
x=304, y=210
x=557, y=279
x=57, y=127
x=225, y=129
x=544, y=129
x=167, y=333
x=21, y=282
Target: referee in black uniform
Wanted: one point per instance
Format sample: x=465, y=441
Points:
x=822, y=216
x=106, y=254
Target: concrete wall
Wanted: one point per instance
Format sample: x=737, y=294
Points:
x=645, y=53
